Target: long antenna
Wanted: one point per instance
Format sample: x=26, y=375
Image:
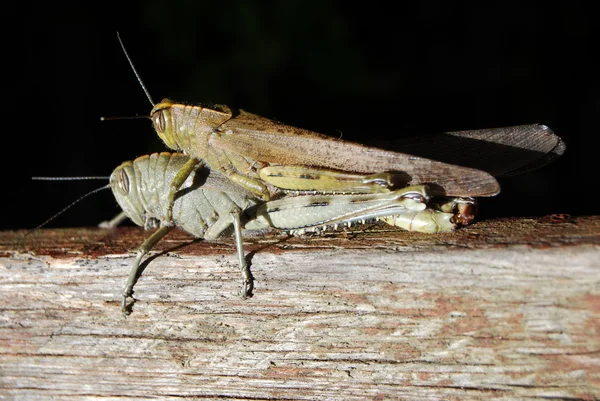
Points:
x=122, y=118
x=69, y=178
x=135, y=71
x=67, y=208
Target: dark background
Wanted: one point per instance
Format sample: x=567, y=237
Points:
x=363, y=69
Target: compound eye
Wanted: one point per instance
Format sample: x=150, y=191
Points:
x=160, y=123
x=123, y=182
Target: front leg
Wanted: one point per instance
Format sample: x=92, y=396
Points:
x=146, y=246
x=182, y=175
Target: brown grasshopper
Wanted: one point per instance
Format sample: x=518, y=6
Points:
x=255, y=151
x=209, y=205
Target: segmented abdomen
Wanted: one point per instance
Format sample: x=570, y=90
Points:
x=200, y=202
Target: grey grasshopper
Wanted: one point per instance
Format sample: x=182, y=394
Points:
x=209, y=205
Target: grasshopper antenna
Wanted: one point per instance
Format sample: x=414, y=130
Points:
x=72, y=203
x=135, y=71
x=69, y=178
x=122, y=118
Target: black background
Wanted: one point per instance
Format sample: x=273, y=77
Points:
x=362, y=70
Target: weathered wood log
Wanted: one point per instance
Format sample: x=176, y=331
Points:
x=505, y=309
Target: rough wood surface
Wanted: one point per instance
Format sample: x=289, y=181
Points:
x=504, y=310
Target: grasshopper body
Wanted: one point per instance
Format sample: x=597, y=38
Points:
x=206, y=207
x=239, y=143
x=201, y=207
x=209, y=205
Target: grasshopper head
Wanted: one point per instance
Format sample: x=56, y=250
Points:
x=162, y=119
x=124, y=187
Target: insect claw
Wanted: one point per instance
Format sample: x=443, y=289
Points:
x=244, y=291
x=124, y=310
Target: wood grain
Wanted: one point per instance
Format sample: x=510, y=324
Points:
x=504, y=310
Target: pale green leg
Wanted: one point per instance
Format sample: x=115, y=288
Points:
x=303, y=178
x=214, y=231
x=426, y=221
x=177, y=182
x=251, y=184
x=146, y=246
x=247, y=279
x=230, y=165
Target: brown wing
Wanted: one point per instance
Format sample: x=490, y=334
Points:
x=499, y=151
x=271, y=142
